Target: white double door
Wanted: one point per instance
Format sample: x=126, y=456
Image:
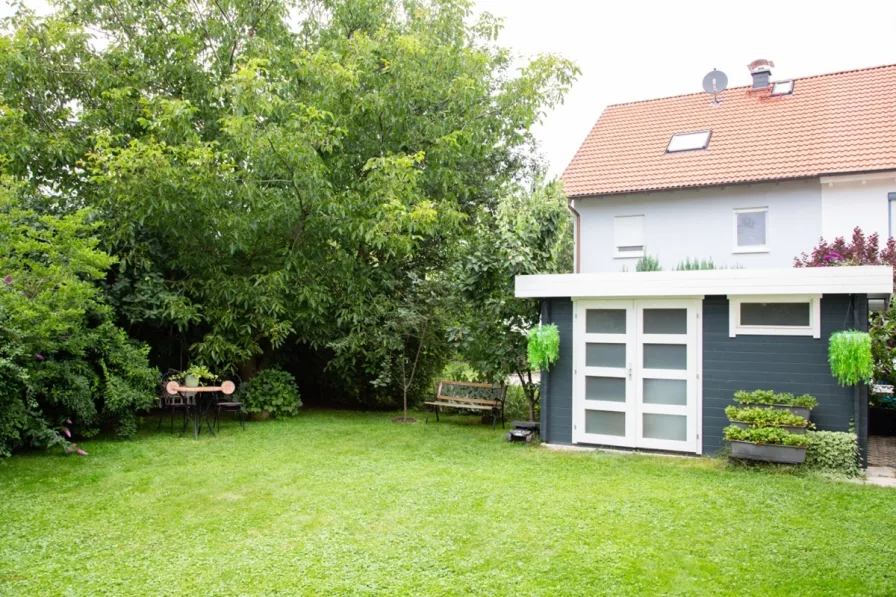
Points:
x=636, y=373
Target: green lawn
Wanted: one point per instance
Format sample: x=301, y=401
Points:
x=352, y=504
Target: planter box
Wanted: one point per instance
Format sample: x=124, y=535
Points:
x=881, y=421
x=797, y=430
x=768, y=452
x=799, y=411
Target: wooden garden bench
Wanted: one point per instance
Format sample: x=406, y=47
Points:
x=484, y=397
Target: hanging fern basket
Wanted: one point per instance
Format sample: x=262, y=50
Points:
x=543, y=348
x=849, y=353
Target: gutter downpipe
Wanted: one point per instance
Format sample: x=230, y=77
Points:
x=577, y=265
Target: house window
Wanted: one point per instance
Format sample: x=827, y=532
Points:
x=892, y=198
x=782, y=88
x=688, y=141
x=774, y=316
x=751, y=230
x=628, y=236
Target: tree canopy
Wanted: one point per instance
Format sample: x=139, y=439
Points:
x=276, y=180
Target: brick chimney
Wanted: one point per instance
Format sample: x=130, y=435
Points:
x=761, y=70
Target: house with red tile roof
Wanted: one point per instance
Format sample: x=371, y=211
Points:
x=749, y=178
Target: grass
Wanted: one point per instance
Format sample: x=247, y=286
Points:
x=334, y=503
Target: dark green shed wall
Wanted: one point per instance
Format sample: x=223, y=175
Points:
x=781, y=363
x=556, y=405
x=795, y=364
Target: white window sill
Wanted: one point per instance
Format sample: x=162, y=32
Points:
x=757, y=249
x=628, y=255
x=773, y=331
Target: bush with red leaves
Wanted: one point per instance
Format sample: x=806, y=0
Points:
x=858, y=251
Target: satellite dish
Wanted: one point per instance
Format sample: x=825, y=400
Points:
x=715, y=82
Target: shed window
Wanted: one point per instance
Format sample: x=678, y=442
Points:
x=628, y=236
x=688, y=141
x=751, y=230
x=775, y=316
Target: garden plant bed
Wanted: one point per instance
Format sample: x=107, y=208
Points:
x=799, y=411
x=768, y=452
x=788, y=428
x=346, y=503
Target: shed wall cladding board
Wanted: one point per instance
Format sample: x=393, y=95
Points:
x=556, y=405
x=795, y=364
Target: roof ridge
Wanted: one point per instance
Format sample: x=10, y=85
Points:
x=835, y=73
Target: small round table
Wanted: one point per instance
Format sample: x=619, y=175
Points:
x=225, y=388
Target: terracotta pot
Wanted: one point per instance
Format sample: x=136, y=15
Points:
x=260, y=416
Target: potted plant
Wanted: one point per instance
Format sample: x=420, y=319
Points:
x=543, y=346
x=849, y=354
x=768, y=444
x=766, y=417
x=797, y=405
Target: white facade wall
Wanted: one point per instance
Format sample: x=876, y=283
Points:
x=850, y=201
x=700, y=224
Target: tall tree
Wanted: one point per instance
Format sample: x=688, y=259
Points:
x=530, y=233
x=274, y=176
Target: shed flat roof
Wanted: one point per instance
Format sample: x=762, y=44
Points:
x=866, y=279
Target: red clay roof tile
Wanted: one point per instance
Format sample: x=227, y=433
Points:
x=834, y=123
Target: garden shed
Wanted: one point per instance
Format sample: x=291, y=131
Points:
x=650, y=360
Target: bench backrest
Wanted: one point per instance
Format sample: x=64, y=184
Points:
x=480, y=393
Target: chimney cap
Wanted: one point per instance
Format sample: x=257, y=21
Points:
x=761, y=66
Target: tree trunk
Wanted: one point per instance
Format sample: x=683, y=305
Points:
x=248, y=368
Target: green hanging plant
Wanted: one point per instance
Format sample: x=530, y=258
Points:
x=543, y=348
x=849, y=353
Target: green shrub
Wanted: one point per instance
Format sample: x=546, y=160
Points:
x=768, y=397
x=833, y=452
x=765, y=435
x=516, y=406
x=459, y=371
x=648, y=263
x=695, y=265
x=764, y=417
x=849, y=353
x=273, y=390
x=543, y=348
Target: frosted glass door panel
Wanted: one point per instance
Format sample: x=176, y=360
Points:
x=602, y=422
x=669, y=427
x=605, y=321
x=665, y=321
x=666, y=391
x=666, y=356
x=611, y=389
x=605, y=355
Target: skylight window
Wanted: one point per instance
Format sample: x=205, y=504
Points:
x=783, y=88
x=689, y=141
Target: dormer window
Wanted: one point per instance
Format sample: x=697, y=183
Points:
x=783, y=88
x=688, y=141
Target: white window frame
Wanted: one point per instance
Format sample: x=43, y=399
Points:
x=617, y=254
x=694, y=141
x=813, y=329
x=751, y=248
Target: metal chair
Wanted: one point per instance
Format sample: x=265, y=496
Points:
x=232, y=403
x=172, y=402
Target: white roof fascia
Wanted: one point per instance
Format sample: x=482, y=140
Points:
x=866, y=279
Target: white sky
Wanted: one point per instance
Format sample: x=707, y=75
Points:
x=633, y=50
x=637, y=49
